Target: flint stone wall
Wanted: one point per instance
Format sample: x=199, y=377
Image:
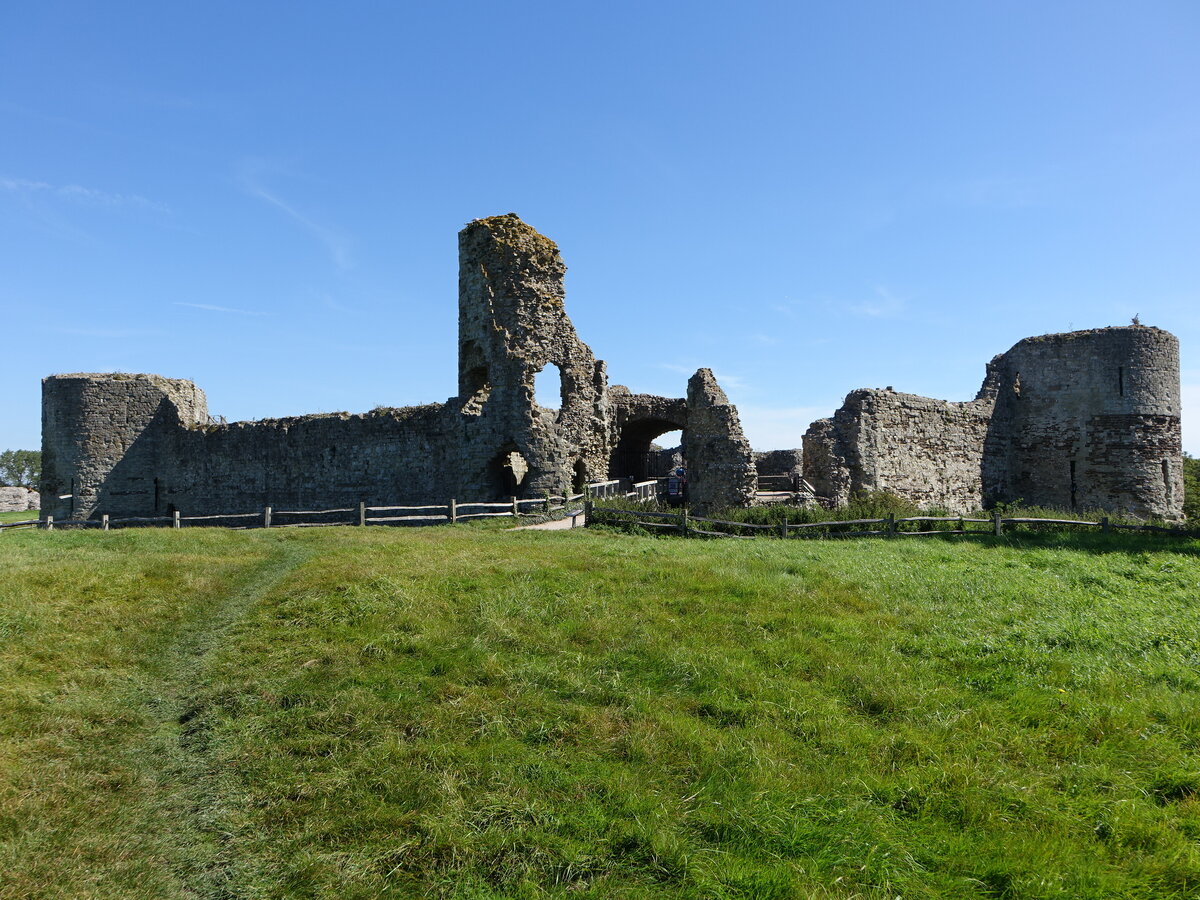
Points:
x=780, y=462
x=928, y=451
x=18, y=499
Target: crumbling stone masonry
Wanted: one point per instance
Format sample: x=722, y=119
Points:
x=722, y=473
x=144, y=445
x=1085, y=420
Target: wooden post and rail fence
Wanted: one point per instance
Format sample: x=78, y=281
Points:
x=889, y=526
x=451, y=512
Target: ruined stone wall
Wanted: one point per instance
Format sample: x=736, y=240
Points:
x=780, y=462
x=18, y=499
x=386, y=457
x=928, y=451
x=720, y=462
x=142, y=445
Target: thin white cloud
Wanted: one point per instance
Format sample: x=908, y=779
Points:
x=336, y=244
x=78, y=193
x=884, y=305
x=222, y=309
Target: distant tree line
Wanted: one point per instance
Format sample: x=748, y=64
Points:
x=21, y=468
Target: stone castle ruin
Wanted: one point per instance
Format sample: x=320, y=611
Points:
x=1085, y=420
x=138, y=445
x=1089, y=419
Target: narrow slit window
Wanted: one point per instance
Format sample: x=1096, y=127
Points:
x=1121, y=380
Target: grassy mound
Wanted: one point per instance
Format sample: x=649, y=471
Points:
x=362, y=713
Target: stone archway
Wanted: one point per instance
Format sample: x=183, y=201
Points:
x=632, y=456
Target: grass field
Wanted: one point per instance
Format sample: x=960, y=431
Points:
x=461, y=712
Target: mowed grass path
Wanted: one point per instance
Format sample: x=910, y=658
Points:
x=460, y=712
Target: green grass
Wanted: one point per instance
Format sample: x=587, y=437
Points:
x=18, y=516
x=460, y=712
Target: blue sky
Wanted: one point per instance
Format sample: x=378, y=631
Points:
x=807, y=198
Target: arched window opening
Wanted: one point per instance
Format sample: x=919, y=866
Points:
x=549, y=387
x=580, y=479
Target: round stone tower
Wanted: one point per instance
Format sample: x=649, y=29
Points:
x=1089, y=420
x=99, y=440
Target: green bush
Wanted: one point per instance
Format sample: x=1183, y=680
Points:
x=1191, y=487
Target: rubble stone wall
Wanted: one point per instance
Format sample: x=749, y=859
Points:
x=18, y=499
x=721, y=471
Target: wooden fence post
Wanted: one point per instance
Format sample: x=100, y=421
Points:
x=516, y=509
x=49, y=523
x=1104, y=525
x=961, y=525
x=266, y=517
x=783, y=528
x=683, y=523
x=175, y=519
x=588, y=506
x=997, y=525
x=104, y=522
x=891, y=524
x=362, y=513
x=453, y=511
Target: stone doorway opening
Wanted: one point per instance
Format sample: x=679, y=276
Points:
x=635, y=460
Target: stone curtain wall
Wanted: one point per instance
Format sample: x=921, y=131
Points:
x=18, y=499
x=1086, y=420
x=140, y=451
x=780, y=462
x=928, y=451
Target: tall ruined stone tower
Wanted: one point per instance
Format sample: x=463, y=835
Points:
x=100, y=440
x=512, y=324
x=1088, y=420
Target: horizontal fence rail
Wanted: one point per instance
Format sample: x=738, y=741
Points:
x=891, y=526
x=552, y=506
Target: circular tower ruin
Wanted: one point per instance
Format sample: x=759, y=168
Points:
x=100, y=436
x=1089, y=420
